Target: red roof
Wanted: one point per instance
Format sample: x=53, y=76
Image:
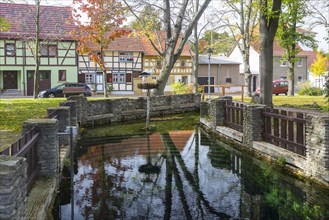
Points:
x=55, y=22
x=149, y=49
x=129, y=42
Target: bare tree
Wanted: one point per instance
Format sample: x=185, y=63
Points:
x=242, y=28
x=175, y=38
x=269, y=22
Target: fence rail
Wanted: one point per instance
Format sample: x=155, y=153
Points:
x=52, y=115
x=26, y=147
x=234, y=115
x=285, y=129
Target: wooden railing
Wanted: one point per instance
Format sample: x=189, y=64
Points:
x=285, y=129
x=222, y=90
x=26, y=147
x=234, y=115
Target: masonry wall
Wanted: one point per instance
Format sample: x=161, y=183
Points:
x=13, y=177
x=98, y=112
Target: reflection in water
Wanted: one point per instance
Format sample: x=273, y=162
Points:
x=183, y=175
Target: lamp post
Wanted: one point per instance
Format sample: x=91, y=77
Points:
x=209, y=51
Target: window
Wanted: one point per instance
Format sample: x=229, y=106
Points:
x=228, y=80
x=119, y=77
x=126, y=57
x=299, y=63
x=283, y=63
x=158, y=64
x=48, y=51
x=61, y=75
x=89, y=78
x=300, y=79
x=10, y=50
x=183, y=63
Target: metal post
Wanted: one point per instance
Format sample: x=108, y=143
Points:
x=72, y=172
x=209, y=56
x=148, y=106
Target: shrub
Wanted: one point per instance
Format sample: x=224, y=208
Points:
x=307, y=89
x=181, y=88
x=326, y=89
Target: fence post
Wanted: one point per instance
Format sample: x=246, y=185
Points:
x=217, y=111
x=13, y=187
x=73, y=111
x=317, y=146
x=253, y=122
x=81, y=108
x=47, y=145
x=64, y=120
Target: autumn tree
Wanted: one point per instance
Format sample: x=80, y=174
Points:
x=175, y=37
x=319, y=67
x=220, y=43
x=241, y=18
x=4, y=24
x=289, y=37
x=269, y=21
x=95, y=35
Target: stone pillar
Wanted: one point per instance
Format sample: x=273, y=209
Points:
x=81, y=108
x=217, y=111
x=317, y=146
x=197, y=100
x=204, y=109
x=64, y=119
x=47, y=144
x=73, y=111
x=13, y=187
x=253, y=122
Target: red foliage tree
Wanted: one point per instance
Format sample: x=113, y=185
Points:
x=100, y=28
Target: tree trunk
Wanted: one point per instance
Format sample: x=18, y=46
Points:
x=104, y=83
x=268, y=27
x=291, y=77
x=166, y=70
x=196, y=54
x=36, y=52
x=266, y=72
x=247, y=74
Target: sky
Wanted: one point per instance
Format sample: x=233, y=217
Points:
x=321, y=31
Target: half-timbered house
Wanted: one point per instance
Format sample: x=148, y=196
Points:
x=58, y=61
x=124, y=63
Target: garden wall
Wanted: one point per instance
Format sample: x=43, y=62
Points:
x=100, y=112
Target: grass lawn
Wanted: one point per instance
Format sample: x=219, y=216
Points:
x=13, y=112
x=307, y=102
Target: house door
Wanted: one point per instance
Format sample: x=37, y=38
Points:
x=99, y=82
x=44, y=82
x=10, y=80
x=204, y=81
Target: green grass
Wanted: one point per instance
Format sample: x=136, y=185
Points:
x=307, y=102
x=13, y=112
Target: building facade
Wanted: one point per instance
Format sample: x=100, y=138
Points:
x=58, y=59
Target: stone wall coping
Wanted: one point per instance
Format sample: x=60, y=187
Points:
x=59, y=107
x=41, y=121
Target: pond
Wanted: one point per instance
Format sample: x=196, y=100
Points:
x=121, y=172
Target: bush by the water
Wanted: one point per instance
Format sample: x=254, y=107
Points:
x=307, y=89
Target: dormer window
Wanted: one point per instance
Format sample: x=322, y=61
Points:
x=126, y=57
x=10, y=49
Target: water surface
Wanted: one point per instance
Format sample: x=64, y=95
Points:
x=179, y=173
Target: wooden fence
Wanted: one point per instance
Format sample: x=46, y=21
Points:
x=234, y=115
x=285, y=129
x=26, y=147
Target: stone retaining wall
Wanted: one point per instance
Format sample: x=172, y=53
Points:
x=13, y=177
x=98, y=112
x=316, y=162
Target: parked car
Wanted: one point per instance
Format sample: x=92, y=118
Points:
x=278, y=87
x=72, y=88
